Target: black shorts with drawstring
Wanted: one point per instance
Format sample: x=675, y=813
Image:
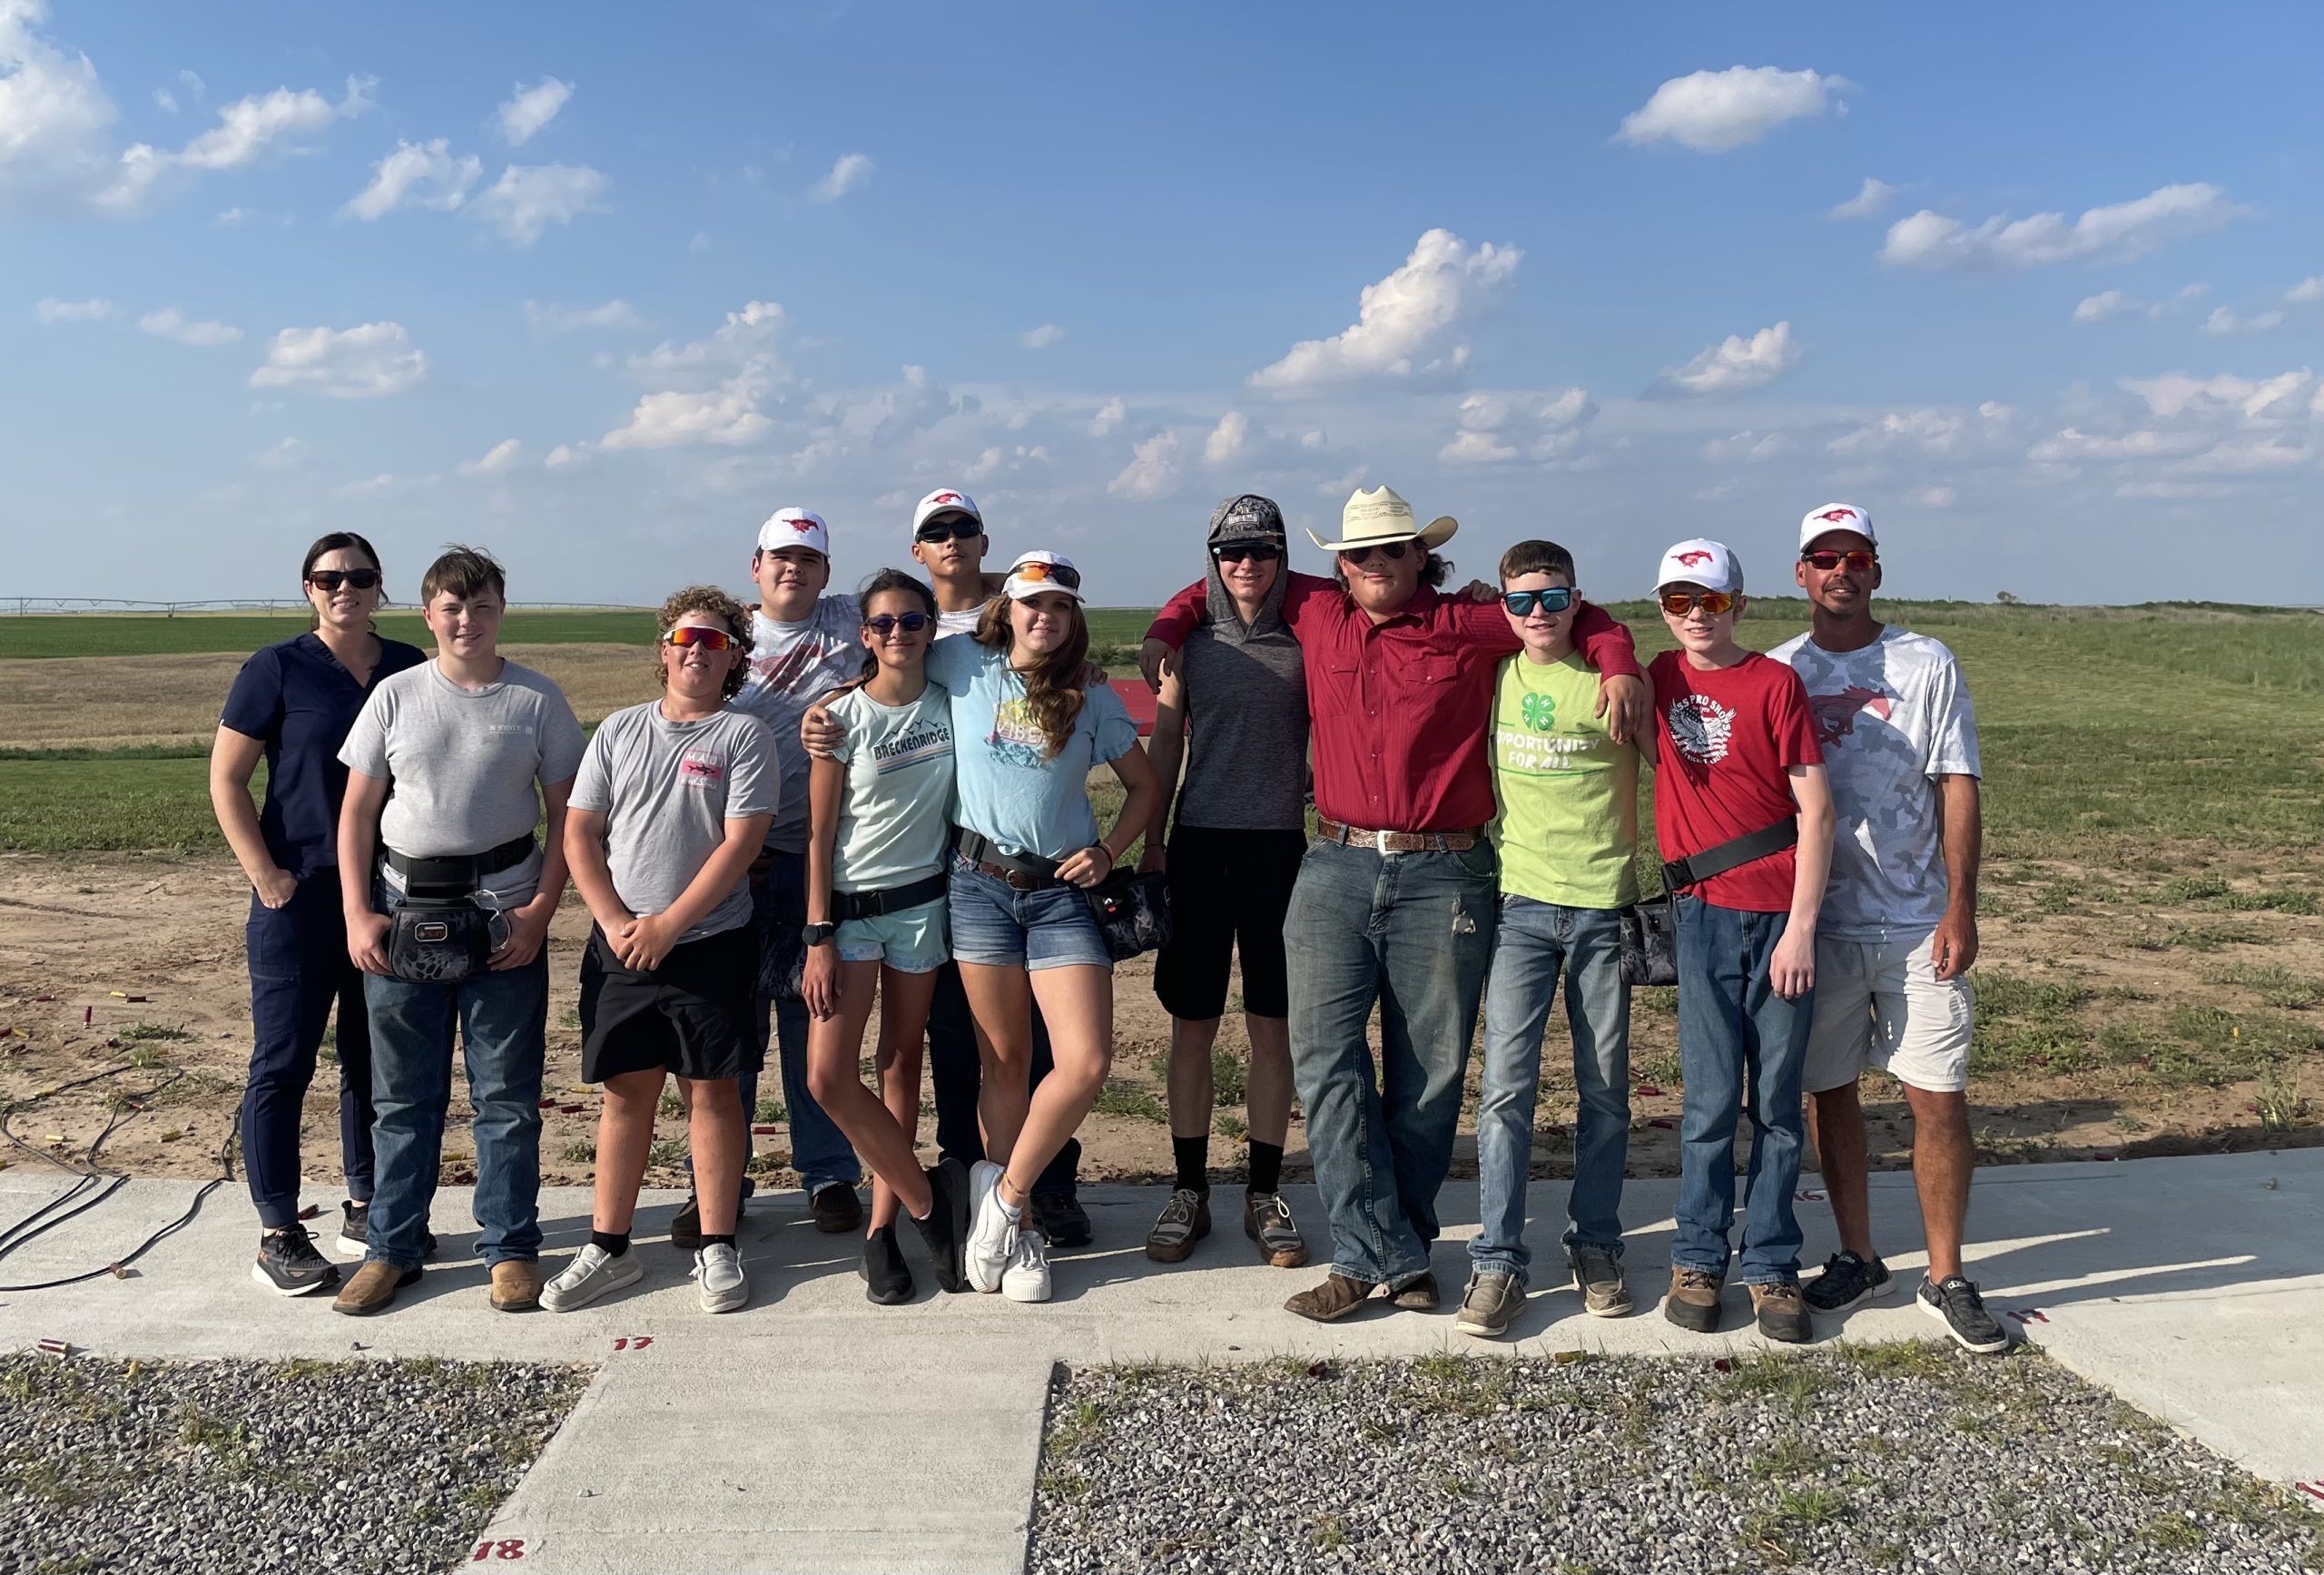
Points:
x=692, y=1016
x=1229, y=890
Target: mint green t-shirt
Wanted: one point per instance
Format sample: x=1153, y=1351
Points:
x=1568, y=827
x=895, y=820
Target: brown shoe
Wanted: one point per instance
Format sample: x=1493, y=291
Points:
x=515, y=1286
x=836, y=1208
x=1781, y=1310
x=373, y=1287
x=1693, y=1301
x=1416, y=1296
x=1335, y=1298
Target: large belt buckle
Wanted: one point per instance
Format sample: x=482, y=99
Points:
x=1380, y=842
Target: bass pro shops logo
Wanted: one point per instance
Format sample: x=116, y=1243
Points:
x=1700, y=727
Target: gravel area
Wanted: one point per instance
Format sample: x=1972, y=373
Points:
x=195, y=1467
x=1859, y=1458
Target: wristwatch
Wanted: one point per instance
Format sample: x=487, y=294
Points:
x=817, y=934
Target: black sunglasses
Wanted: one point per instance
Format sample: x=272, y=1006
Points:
x=964, y=529
x=1234, y=552
x=332, y=579
x=1826, y=562
x=912, y=623
x=1393, y=551
x=1521, y=604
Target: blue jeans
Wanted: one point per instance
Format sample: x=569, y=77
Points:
x=502, y=1022
x=1410, y=932
x=1534, y=942
x=819, y=1151
x=299, y=972
x=1739, y=1043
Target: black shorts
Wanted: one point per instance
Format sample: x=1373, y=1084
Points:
x=691, y=1016
x=1229, y=890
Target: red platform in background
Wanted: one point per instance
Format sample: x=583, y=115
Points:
x=1138, y=701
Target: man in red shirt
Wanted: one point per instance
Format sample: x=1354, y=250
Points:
x=1394, y=904
x=1744, y=817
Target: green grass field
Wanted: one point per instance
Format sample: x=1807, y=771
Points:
x=2102, y=728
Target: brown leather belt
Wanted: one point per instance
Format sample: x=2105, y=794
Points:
x=1398, y=842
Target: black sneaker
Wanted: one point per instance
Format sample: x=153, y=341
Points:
x=1060, y=1216
x=945, y=1231
x=1847, y=1281
x=685, y=1225
x=835, y=1207
x=886, y=1279
x=355, y=1231
x=1955, y=1303
x=289, y=1265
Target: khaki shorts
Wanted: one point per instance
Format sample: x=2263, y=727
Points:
x=1879, y=1003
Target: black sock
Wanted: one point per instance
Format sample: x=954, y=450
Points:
x=1267, y=1166
x=1193, y=1157
x=612, y=1243
x=719, y=1241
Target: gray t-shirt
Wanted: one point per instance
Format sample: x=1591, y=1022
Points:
x=465, y=765
x=667, y=789
x=895, y=819
x=1245, y=694
x=792, y=665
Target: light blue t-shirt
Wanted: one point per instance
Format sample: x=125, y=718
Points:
x=1011, y=792
x=895, y=819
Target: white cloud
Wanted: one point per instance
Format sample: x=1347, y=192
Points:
x=529, y=198
x=379, y=483
x=282, y=455
x=850, y=171
x=1714, y=111
x=1153, y=470
x=173, y=324
x=1733, y=365
x=2244, y=457
x=373, y=359
x=1747, y=447
x=1869, y=199
x=554, y=319
x=2175, y=394
x=532, y=108
x=566, y=453
x=502, y=456
x=2226, y=321
x=1930, y=430
x=72, y=310
x=2115, y=233
x=424, y=174
x=747, y=340
x=1226, y=439
x=166, y=99
x=2073, y=446
x=1403, y=318
x=1110, y=416
x=2106, y=303
x=2311, y=289
x=1042, y=337
x=1931, y=496
x=247, y=130
x=727, y=415
x=1499, y=427
x=230, y=217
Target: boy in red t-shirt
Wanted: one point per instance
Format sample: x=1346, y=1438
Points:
x=1736, y=757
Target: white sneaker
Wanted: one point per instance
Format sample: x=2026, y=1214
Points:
x=724, y=1287
x=591, y=1275
x=1027, y=1278
x=992, y=1235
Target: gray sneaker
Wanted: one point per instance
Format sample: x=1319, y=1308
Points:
x=719, y=1268
x=1598, y=1276
x=593, y=1273
x=1184, y=1220
x=1490, y=1301
x=1266, y=1220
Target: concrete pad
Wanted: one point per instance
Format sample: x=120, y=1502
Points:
x=2191, y=1286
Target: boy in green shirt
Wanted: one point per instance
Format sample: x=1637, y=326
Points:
x=1568, y=835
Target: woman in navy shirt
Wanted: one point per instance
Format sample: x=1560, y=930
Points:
x=291, y=705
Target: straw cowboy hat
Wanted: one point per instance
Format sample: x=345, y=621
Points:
x=1380, y=516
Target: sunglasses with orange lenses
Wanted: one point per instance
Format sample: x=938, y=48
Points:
x=1857, y=559
x=1064, y=575
x=687, y=634
x=1679, y=604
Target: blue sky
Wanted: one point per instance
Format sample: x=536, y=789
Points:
x=601, y=295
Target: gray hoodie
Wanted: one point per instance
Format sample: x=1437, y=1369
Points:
x=1245, y=695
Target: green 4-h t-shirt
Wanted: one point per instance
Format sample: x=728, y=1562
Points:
x=1567, y=828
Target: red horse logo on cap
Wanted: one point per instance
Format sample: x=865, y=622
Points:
x=1837, y=514
x=1693, y=558
x=946, y=497
x=803, y=527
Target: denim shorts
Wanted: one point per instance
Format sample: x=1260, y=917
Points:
x=996, y=925
x=910, y=941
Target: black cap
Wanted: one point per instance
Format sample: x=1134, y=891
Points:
x=1247, y=517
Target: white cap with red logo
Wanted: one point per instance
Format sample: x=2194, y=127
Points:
x=795, y=528
x=1835, y=517
x=1711, y=564
x=944, y=500
x=1035, y=572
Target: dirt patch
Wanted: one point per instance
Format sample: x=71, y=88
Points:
x=81, y=703
x=2092, y=1047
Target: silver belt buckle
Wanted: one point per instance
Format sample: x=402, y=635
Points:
x=1380, y=842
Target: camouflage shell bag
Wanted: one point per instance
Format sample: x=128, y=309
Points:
x=438, y=942
x=1132, y=911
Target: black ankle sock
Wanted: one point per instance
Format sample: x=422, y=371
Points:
x=612, y=1243
x=718, y=1241
x=1267, y=1166
x=1192, y=1156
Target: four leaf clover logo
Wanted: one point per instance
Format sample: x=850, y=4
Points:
x=1540, y=710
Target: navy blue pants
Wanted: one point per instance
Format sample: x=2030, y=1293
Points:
x=953, y=1067
x=299, y=972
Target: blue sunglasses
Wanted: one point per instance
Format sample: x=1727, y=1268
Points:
x=1521, y=604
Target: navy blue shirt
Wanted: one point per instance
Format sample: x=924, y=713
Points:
x=298, y=700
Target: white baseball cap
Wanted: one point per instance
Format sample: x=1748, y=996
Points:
x=1835, y=517
x=1711, y=564
x=795, y=528
x=944, y=500
x=1035, y=572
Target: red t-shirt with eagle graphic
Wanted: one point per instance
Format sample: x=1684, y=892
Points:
x=1728, y=738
